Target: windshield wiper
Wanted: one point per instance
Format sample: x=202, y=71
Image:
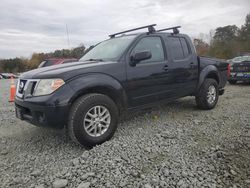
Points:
x=94, y=59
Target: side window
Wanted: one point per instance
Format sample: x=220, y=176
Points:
x=185, y=47
x=152, y=44
x=176, y=48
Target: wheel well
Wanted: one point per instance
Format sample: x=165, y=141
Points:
x=111, y=93
x=213, y=75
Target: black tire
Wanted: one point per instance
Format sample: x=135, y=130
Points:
x=233, y=82
x=78, y=112
x=201, y=98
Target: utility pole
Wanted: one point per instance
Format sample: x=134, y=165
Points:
x=67, y=35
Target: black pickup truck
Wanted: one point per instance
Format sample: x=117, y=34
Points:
x=125, y=72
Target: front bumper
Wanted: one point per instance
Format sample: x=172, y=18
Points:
x=42, y=115
x=45, y=111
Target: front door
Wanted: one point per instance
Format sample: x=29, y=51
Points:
x=146, y=82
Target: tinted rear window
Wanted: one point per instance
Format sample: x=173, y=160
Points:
x=176, y=48
x=185, y=47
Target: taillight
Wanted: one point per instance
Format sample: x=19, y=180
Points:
x=228, y=70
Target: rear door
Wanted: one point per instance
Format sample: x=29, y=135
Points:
x=183, y=65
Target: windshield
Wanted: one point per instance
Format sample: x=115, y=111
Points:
x=110, y=49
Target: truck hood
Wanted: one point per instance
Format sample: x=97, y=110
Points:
x=66, y=71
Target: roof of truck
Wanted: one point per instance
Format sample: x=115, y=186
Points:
x=151, y=30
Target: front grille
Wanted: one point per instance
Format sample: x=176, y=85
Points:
x=25, y=88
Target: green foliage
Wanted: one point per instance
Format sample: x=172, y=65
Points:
x=78, y=52
x=201, y=46
x=227, y=42
x=227, y=33
x=12, y=65
x=245, y=34
x=230, y=41
x=35, y=60
x=20, y=65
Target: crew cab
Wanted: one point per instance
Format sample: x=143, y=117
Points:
x=123, y=73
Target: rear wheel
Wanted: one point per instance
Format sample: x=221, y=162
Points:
x=207, y=96
x=92, y=120
x=232, y=81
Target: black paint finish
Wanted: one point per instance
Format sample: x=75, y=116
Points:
x=129, y=86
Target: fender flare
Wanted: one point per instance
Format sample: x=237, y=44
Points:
x=209, y=71
x=100, y=83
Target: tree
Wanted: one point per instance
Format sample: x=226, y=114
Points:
x=245, y=35
x=78, y=52
x=225, y=42
x=231, y=41
x=12, y=65
x=35, y=60
x=201, y=47
x=227, y=33
x=245, y=29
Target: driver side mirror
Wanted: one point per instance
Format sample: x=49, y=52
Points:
x=139, y=56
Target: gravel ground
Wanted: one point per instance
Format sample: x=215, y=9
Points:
x=174, y=145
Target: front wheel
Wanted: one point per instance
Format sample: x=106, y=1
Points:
x=92, y=120
x=208, y=94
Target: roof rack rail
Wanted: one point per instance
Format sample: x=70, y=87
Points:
x=151, y=29
x=175, y=29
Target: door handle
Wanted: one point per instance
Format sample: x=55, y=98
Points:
x=165, y=68
x=192, y=64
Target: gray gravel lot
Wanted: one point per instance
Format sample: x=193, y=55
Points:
x=174, y=145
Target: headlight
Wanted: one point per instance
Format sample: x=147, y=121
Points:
x=47, y=86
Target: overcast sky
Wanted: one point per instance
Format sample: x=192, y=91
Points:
x=28, y=26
